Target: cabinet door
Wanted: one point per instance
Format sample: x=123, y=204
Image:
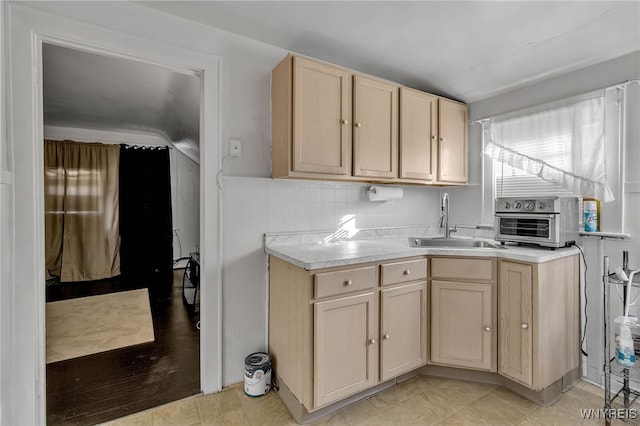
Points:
x=403, y=329
x=375, y=132
x=418, y=132
x=515, y=332
x=321, y=111
x=452, y=144
x=346, y=347
x=461, y=324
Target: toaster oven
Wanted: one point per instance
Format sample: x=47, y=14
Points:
x=546, y=221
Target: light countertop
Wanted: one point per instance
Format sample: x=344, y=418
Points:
x=312, y=255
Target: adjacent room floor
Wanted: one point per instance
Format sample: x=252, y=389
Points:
x=108, y=385
x=419, y=401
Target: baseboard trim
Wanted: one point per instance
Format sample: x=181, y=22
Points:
x=545, y=397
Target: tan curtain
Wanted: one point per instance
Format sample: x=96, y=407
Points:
x=81, y=226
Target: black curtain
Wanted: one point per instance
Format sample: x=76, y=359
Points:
x=146, y=229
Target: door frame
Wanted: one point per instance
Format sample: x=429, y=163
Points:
x=23, y=366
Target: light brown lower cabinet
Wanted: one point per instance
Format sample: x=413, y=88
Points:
x=403, y=331
x=339, y=331
x=463, y=314
x=539, y=315
x=461, y=324
x=346, y=347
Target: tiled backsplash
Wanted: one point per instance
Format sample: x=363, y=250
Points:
x=255, y=206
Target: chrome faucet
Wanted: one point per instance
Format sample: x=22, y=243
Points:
x=444, y=215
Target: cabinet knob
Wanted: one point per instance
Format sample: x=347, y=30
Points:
x=372, y=341
x=407, y=272
x=348, y=283
x=441, y=139
x=358, y=124
x=433, y=137
x=525, y=325
x=487, y=328
x=345, y=121
x=386, y=337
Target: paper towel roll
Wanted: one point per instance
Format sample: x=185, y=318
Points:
x=384, y=193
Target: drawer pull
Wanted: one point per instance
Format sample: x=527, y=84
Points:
x=348, y=283
x=524, y=325
x=372, y=341
x=386, y=337
x=407, y=272
x=487, y=328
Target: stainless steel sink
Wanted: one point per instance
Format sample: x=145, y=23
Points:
x=452, y=243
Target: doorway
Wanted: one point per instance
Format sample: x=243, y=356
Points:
x=91, y=102
x=23, y=389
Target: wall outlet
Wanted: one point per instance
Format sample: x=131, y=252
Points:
x=235, y=147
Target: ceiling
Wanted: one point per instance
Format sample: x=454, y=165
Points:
x=467, y=50
x=463, y=50
x=88, y=90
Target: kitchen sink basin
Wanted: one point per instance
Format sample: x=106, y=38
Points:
x=452, y=243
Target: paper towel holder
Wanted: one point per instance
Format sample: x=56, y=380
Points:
x=379, y=193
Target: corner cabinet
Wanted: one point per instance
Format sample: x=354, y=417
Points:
x=334, y=124
x=336, y=332
x=463, y=299
x=539, y=315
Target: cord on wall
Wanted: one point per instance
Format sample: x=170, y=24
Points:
x=219, y=174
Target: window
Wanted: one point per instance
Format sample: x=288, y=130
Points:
x=569, y=147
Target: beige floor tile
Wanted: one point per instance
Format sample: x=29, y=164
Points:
x=515, y=401
x=392, y=397
x=183, y=412
x=380, y=419
x=358, y=412
x=578, y=398
x=235, y=417
x=414, y=411
x=464, y=417
x=465, y=392
x=551, y=416
x=213, y=405
x=496, y=411
x=443, y=405
x=142, y=419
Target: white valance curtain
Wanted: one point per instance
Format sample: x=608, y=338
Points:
x=561, y=142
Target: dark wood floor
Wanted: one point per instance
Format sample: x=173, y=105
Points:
x=101, y=387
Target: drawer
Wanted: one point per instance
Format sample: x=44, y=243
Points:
x=400, y=272
x=347, y=281
x=463, y=269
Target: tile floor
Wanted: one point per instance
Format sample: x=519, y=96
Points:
x=419, y=401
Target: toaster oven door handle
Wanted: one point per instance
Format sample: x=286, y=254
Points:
x=525, y=215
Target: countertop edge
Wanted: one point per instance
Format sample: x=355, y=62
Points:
x=510, y=253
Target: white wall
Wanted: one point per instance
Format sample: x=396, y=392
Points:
x=254, y=206
x=111, y=27
x=185, y=179
x=467, y=200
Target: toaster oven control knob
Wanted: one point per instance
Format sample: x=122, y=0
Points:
x=542, y=205
x=507, y=205
x=517, y=204
x=529, y=205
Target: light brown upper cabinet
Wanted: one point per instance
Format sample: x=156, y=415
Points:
x=418, y=135
x=452, y=142
x=311, y=119
x=333, y=124
x=375, y=132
